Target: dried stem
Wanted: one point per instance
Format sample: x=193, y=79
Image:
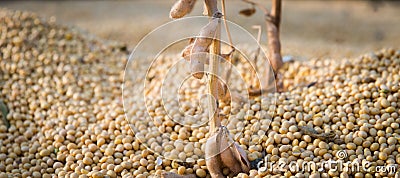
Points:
x=229, y=71
x=257, y=53
x=272, y=22
x=215, y=51
x=213, y=79
x=211, y=6
x=226, y=24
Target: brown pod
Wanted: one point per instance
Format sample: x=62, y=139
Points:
x=241, y=156
x=213, y=160
x=228, y=157
x=181, y=8
x=200, y=47
x=207, y=33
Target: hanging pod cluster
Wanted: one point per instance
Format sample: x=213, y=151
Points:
x=197, y=53
x=220, y=150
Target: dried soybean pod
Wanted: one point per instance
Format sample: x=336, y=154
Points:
x=233, y=157
x=227, y=156
x=200, y=46
x=181, y=8
x=206, y=34
x=213, y=159
x=241, y=156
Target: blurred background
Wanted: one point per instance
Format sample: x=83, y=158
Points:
x=328, y=29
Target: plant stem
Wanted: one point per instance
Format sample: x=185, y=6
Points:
x=215, y=51
x=276, y=13
x=257, y=53
x=212, y=7
x=272, y=23
x=228, y=72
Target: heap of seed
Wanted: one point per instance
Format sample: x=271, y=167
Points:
x=63, y=91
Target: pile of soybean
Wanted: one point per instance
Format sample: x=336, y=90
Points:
x=63, y=91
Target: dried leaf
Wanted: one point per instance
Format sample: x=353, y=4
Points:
x=384, y=91
x=311, y=84
x=4, y=113
x=181, y=8
x=368, y=80
x=248, y=12
x=306, y=130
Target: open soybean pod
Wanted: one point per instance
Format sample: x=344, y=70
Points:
x=230, y=154
x=181, y=8
x=233, y=156
x=212, y=152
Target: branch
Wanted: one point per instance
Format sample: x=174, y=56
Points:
x=211, y=6
x=215, y=50
x=274, y=43
x=276, y=12
x=257, y=53
x=272, y=23
x=227, y=74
